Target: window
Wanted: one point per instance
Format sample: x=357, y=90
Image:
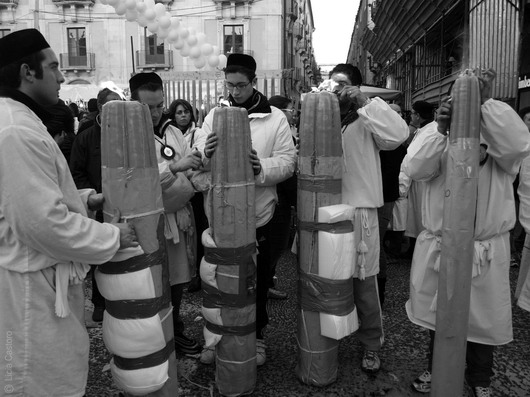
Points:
x=233, y=38
x=77, y=55
x=154, y=48
x=4, y=32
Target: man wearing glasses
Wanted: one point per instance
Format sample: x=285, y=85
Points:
x=273, y=159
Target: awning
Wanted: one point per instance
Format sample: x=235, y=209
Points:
x=383, y=93
x=78, y=92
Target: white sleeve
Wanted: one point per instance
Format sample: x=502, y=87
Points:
x=524, y=195
x=387, y=127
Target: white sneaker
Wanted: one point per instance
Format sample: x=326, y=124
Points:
x=261, y=354
x=482, y=391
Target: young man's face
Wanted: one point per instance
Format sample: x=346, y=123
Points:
x=45, y=91
x=155, y=101
x=342, y=80
x=239, y=86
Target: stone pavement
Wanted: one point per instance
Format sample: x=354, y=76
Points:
x=403, y=355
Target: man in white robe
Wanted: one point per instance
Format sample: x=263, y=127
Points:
x=507, y=142
x=45, y=234
x=368, y=126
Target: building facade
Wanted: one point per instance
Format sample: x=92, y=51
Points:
x=94, y=44
x=420, y=47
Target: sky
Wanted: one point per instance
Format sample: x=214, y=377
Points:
x=334, y=20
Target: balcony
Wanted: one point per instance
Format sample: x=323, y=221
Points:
x=291, y=10
x=9, y=3
x=78, y=62
x=63, y=3
x=297, y=30
x=147, y=60
x=248, y=52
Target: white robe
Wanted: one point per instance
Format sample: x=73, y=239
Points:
x=43, y=222
x=490, y=318
x=523, y=285
x=377, y=128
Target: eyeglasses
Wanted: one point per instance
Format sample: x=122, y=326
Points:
x=289, y=110
x=239, y=86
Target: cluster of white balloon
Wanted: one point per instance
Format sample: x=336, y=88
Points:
x=158, y=20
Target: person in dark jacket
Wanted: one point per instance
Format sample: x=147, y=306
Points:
x=85, y=166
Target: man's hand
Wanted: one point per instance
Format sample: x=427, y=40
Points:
x=256, y=163
x=443, y=116
x=127, y=234
x=211, y=144
x=95, y=201
x=192, y=160
x=485, y=80
x=354, y=95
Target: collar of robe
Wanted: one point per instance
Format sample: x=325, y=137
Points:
x=16, y=95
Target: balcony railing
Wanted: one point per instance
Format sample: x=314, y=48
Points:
x=85, y=62
x=146, y=59
x=73, y=2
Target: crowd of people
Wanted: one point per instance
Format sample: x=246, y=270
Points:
x=51, y=224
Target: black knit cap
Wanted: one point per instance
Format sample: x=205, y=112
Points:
x=141, y=79
x=20, y=44
x=243, y=60
x=424, y=109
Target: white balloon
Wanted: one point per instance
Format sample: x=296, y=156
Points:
x=192, y=31
x=112, y=2
x=141, y=7
x=130, y=4
x=120, y=9
x=164, y=21
x=215, y=50
x=192, y=40
x=152, y=26
x=185, y=50
x=201, y=38
x=222, y=61
x=195, y=52
x=178, y=44
x=175, y=22
x=141, y=20
x=213, y=60
x=173, y=35
x=184, y=33
x=162, y=33
x=131, y=15
x=150, y=3
x=206, y=49
x=150, y=14
x=199, y=62
x=160, y=9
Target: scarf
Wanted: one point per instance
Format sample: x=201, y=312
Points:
x=19, y=96
x=257, y=103
x=349, y=117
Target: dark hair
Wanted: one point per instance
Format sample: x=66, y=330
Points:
x=102, y=96
x=92, y=105
x=61, y=119
x=10, y=74
x=153, y=87
x=173, y=108
x=279, y=101
x=524, y=111
x=353, y=73
x=75, y=109
x=241, y=69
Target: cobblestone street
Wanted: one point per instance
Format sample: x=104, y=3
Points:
x=403, y=355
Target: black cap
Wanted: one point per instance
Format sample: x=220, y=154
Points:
x=243, y=60
x=141, y=79
x=424, y=109
x=92, y=105
x=20, y=44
